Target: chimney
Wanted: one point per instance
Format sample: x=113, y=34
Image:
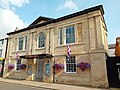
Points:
x=16, y=29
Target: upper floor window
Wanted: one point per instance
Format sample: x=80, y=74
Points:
x=70, y=64
x=70, y=34
x=20, y=45
x=0, y=52
x=60, y=36
x=41, y=40
x=1, y=42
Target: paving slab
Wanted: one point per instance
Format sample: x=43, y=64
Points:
x=52, y=86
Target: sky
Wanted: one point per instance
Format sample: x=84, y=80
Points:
x=21, y=13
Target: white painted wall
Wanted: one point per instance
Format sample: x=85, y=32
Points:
x=111, y=52
x=3, y=47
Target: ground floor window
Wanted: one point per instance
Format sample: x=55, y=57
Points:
x=29, y=71
x=47, y=69
x=18, y=64
x=70, y=64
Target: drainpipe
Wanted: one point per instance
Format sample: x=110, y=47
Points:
x=6, y=47
x=54, y=71
x=49, y=40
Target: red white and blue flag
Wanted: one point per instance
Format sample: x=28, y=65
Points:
x=68, y=52
x=17, y=56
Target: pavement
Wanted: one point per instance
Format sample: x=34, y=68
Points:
x=51, y=86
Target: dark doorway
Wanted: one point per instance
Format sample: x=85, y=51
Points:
x=113, y=71
x=1, y=67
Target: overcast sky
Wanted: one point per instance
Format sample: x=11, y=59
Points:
x=20, y=13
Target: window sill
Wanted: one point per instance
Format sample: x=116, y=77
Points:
x=40, y=48
x=19, y=51
x=70, y=74
x=71, y=44
x=18, y=71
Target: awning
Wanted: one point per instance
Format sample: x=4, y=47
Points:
x=40, y=56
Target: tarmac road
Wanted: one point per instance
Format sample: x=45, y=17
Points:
x=10, y=86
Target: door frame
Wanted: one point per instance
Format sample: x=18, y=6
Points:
x=40, y=69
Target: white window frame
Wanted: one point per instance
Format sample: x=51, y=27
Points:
x=1, y=42
x=43, y=41
x=65, y=34
x=66, y=65
x=24, y=47
x=69, y=35
x=19, y=43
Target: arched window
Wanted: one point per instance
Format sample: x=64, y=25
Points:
x=41, y=40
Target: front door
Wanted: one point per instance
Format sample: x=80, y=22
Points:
x=40, y=70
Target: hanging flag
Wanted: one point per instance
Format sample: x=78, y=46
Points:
x=68, y=52
x=17, y=56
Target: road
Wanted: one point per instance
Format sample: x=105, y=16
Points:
x=10, y=86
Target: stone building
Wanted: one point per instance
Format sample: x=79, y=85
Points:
x=44, y=44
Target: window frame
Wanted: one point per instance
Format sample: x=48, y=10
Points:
x=22, y=47
x=18, y=64
x=70, y=34
x=24, y=43
x=60, y=35
x=1, y=42
x=72, y=64
x=41, y=40
x=47, y=69
x=1, y=51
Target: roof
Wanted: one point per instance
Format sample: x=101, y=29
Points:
x=111, y=46
x=99, y=7
x=39, y=19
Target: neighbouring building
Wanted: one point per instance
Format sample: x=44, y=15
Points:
x=113, y=64
x=111, y=52
x=3, y=48
x=117, y=47
x=114, y=49
x=70, y=50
